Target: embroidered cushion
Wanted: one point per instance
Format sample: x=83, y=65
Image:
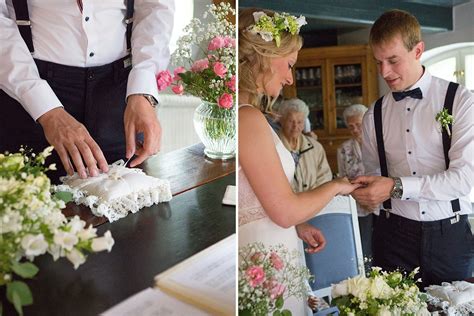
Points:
x=118, y=192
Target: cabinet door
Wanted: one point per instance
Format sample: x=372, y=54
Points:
x=347, y=87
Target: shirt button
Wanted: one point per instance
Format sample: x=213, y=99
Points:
x=91, y=54
x=408, y=199
x=414, y=172
x=408, y=130
x=409, y=152
x=408, y=109
x=423, y=212
x=87, y=18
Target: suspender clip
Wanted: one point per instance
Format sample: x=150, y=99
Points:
x=23, y=22
x=129, y=21
x=455, y=218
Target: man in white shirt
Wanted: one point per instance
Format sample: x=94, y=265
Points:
x=425, y=184
x=85, y=71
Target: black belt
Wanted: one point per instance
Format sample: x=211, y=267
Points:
x=410, y=223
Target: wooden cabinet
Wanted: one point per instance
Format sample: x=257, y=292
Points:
x=329, y=79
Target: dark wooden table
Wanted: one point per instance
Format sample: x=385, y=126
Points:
x=146, y=243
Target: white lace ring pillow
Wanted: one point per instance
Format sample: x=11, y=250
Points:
x=117, y=192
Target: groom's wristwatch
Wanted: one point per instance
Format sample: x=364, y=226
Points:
x=149, y=98
x=397, y=190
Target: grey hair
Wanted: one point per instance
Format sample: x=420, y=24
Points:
x=293, y=105
x=354, y=110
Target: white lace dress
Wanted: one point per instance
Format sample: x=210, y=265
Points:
x=256, y=226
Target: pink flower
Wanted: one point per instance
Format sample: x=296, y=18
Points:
x=229, y=41
x=277, y=290
x=216, y=43
x=276, y=261
x=231, y=84
x=178, y=89
x=256, y=275
x=163, y=80
x=178, y=71
x=200, y=65
x=220, y=69
x=225, y=101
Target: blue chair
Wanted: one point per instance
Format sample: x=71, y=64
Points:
x=342, y=257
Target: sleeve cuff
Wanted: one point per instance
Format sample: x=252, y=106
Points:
x=39, y=100
x=142, y=81
x=411, y=188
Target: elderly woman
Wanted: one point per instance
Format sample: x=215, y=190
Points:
x=349, y=161
x=312, y=168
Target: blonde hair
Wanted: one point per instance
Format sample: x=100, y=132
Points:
x=255, y=54
x=395, y=22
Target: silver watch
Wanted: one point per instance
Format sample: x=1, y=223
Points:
x=150, y=99
x=397, y=190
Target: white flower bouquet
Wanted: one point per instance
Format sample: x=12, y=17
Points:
x=31, y=224
x=382, y=293
x=267, y=277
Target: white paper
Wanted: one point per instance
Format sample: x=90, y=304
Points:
x=153, y=302
x=213, y=275
x=229, y=195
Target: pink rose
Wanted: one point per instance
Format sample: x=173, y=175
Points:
x=277, y=290
x=178, y=89
x=276, y=261
x=229, y=41
x=225, y=101
x=256, y=275
x=220, y=69
x=163, y=80
x=200, y=65
x=216, y=43
x=231, y=84
x=178, y=71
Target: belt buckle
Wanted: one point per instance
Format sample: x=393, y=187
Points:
x=455, y=219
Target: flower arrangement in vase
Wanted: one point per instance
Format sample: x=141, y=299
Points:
x=32, y=224
x=211, y=78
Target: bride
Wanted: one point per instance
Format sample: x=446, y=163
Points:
x=268, y=208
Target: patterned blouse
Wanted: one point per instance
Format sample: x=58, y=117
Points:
x=349, y=159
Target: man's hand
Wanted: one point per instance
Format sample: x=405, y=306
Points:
x=375, y=190
x=140, y=117
x=73, y=142
x=311, y=236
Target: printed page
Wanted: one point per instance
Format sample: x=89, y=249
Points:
x=153, y=302
x=206, y=279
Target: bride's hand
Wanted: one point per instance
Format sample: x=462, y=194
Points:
x=345, y=187
x=312, y=236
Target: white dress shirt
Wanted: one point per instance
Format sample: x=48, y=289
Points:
x=64, y=35
x=414, y=150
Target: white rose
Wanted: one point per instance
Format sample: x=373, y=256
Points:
x=359, y=286
x=102, y=243
x=76, y=257
x=379, y=288
x=257, y=15
x=34, y=245
x=66, y=240
x=339, y=289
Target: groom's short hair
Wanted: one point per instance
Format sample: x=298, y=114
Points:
x=395, y=22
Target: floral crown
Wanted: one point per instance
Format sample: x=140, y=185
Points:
x=270, y=28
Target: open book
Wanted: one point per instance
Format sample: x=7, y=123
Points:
x=206, y=280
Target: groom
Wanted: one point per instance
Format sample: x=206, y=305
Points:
x=423, y=172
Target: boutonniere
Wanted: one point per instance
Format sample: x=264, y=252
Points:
x=445, y=119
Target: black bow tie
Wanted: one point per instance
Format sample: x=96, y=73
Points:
x=415, y=94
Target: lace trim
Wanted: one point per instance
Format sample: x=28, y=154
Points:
x=114, y=209
x=250, y=215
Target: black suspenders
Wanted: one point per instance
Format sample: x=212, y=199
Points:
x=448, y=105
x=24, y=24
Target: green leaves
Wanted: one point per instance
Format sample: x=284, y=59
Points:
x=26, y=270
x=64, y=196
x=279, y=302
x=19, y=294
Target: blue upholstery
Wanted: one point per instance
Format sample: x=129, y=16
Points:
x=338, y=260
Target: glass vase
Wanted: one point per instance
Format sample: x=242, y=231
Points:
x=216, y=128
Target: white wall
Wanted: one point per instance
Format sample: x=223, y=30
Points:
x=463, y=31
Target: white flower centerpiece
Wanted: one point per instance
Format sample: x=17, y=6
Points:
x=32, y=224
x=381, y=293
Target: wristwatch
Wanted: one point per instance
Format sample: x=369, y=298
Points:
x=150, y=99
x=397, y=190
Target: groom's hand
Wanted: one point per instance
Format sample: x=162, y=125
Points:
x=375, y=190
x=312, y=236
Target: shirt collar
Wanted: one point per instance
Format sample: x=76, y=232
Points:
x=423, y=83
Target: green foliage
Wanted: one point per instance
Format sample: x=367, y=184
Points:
x=19, y=294
x=26, y=270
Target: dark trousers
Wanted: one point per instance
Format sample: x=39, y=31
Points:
x=94, y=96
x=443, y=251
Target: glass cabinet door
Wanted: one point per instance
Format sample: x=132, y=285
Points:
x=348, y=89
x=308, y=81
